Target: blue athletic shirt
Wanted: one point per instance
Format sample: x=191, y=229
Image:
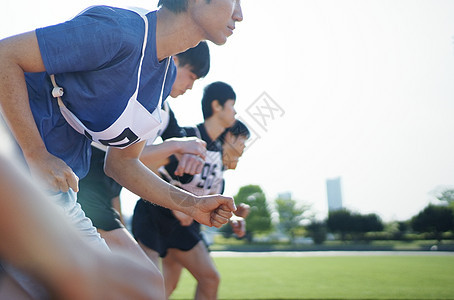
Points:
x=95, y=58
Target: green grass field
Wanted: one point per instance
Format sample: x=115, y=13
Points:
x=358, y=277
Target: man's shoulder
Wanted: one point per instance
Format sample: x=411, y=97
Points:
x=191, y=131
x=111, y=18
x=112, y=11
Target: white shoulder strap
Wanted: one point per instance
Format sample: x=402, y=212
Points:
x=164, y=83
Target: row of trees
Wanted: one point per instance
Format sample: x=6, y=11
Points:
x=293, y=220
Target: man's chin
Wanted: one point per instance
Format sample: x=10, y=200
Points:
x=219, y=40
x=176, y=94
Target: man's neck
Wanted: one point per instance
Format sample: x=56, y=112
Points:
x=175, y=33
x=213, y=128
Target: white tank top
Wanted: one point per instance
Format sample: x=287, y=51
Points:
x=209, y=181
x=136, y=123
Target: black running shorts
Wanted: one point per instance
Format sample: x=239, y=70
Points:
x=157, y=228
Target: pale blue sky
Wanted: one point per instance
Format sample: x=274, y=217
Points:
x=364, y=88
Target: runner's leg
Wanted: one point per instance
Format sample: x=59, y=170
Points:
x=200, y=264
x=171, y=270
x=121, y=240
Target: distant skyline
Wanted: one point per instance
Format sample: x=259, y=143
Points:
x=357, y=89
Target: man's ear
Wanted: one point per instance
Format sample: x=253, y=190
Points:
x=216, y=106
x=176, y=61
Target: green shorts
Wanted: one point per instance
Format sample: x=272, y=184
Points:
x=96, y=192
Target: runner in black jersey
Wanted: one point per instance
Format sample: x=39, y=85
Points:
x=174, y=236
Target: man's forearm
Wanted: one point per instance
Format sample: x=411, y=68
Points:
x=136, y=177
x=17, y=113
x=154, y=156
x=37, y=239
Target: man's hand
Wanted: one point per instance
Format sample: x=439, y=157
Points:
x=184, y=219
x=238, y=225
x=189, y=164
x=243, y=210
x=53, y=173
x=214, y=210
x=191, y=155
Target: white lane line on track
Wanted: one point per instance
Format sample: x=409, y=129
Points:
x=328, y=253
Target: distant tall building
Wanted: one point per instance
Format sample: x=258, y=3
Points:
x=334, y=192
x=285, y=196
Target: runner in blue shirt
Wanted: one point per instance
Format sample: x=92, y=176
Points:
x=99, y=77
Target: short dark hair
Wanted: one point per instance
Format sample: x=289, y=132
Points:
x=198, y=58
x=219, y=91
x=175, y=6
x=237, y=129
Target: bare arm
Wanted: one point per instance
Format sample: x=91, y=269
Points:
x=155, y=156
x=124, y=166
x=37, y=239
x=21, y=54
